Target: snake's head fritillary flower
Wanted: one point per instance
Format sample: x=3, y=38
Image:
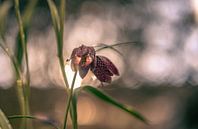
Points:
x=81, y=59
x=84, y=58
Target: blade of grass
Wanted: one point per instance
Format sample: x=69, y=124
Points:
x=116, y=44
x=55, y=16
x=58, y=24
x=22, y=36
x=12, y=58
x=4, y=123
x=96, y=92
x=19, y=52
x=24, y=84
x=73, y=109
x=110, y=47
x=62, y=16
x=4, y=9
x=33, y=118
x=19, y=81
x=69, y=101
x=62, y=19
x=103, y=46
x=26, y=20
x=28, y=13
x=59, y=38
x=60, y=41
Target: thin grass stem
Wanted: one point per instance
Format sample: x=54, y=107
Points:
x=22, y=36
x=23, y=85
x=69, y=101
x=32, y=117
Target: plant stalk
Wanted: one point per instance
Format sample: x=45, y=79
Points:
x=69, y=101
x=19, y=82
x=22, y=36
x=23, y=86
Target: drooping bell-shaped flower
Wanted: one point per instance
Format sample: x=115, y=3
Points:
x=84, y=58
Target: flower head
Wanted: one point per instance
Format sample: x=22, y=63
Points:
x=84, y=58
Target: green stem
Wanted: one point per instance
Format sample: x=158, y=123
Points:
x=62, y=65
x=69, y=101
x=13, y=60
x=116, y=44
x=21, y=99
x=22, y=36
x=32, y=117
x=62, y=16
x=60, y=41
x=19, y=82
x=25, y=86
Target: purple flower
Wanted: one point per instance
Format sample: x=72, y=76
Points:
x=84, y=58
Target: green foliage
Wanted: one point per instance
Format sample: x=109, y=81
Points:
x=99, y=94
x=4, y=9
x=23, y=85
x=26, y=20
x=73, y=110
x=55, y=17
x=32, y=118
x=19, y=48
x=58, y=25
x=4, y=123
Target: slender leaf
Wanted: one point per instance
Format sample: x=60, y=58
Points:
x=103, y=46
x=116, y=44
x=19, y=48
x=4, y=9
x=73, y=109
x=55, y=16
x=58, y=28
x=69, y=100
x=33, y=118
x=96, y=92
x=29, y=10
x=26, y=20
x=24, y=96
x=110, y=47
x=4, y=123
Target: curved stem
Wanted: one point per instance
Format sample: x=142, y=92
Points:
x=13, y=60
x=25, y=86
x=22, y=36
x=62, y=65
x=32, y=117
x=69, y=101
x=19, y=82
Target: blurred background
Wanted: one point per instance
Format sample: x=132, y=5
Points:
x=159, y=68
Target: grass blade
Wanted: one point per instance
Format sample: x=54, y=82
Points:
x=26, y=20
x=23, y=85
x=55, y=16
x=58, y=28
x=19, y=52
x=4, y=123
x=4, y=9
x=103, y=46
x=70, y=96
x=33, y=118
x=110, y=47
x=28, y=13
x=73, y=110
x=96, y=92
